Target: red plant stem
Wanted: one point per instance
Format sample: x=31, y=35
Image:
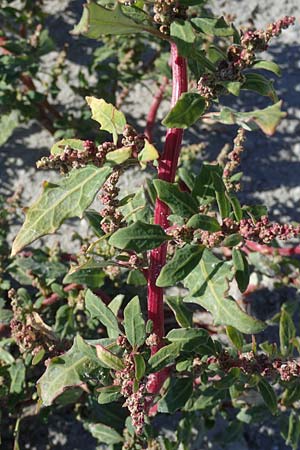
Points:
x=267, y=250
x=166, y=171
x=154, y=108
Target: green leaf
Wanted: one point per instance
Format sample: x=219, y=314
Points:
x=94, y=220
x=267, y=65
x=208, y=286
x=236, y=337
x=104, y=433
x=120, y=155
x=97, y=21
x=139, y=366
x=293, y=434
x=233, y=87
x=136, y=278
x=236, y=206
x=183, y=262
x=260, y=84
x=139, y=236
x=109, y=118
x=90, y=274
x=196, y=340
x=108, y=394
x=58, y=147
x=134, y=323
x=266, y=119
x=183, y=315
x=188, y=109
x=67, y=371
x=220, y=192
x=187, y=177
x=181, y=203
x=287, y=332
x=203, y=189
x=58, y=202
x=241, y=267
x=164, y=356
x=203, y=222
x=108, y=358
x=229, y=379
x=8, y=122
x=182, y=33
x=98, y=310
x=268, y=395
x=17, y=376
x=148, y=153
x=116, y=303
x=213, y=26
x=232, y=240
x=176, y=396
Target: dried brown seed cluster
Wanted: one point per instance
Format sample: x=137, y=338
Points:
x=111, y=216
x=132, y=139
x=166, y=11
x=71, y=158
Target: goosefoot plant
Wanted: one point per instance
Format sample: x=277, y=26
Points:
x=187, y=230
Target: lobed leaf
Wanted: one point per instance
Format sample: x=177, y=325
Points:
x=109, y=118
x=208, y=286
x=58, y=202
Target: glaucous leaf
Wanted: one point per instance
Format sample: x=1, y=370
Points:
x=183, y=315
x=109, y=118
x=58, y=202
x=104, y=433
x=188, y=109
x=8, y=122
x=139, y=236
x=267, y=65
x=164, y=356
x=176, y=396
x=183, y=262
x=287, y=332
x=89, y=274
x=67, y=371
x=108, y=358
x=260, y=84
x=98, y=310
x=204, y=222
x=213, y=26
x=181, y=203
x=108, y=394
x=241, y=266
x=97, y=21
x=134, y=323
x=208, y=286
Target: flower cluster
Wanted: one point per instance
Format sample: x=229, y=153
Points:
x=111, y=216
x=234, y=160
x=29, y=331
x=132, y=139
x=166, y=11
x=239, y=57
x=252, y=363
x=71, y=158
x=262, y=230
x=134, y=394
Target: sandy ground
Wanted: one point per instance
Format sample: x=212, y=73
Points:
x=271, y=166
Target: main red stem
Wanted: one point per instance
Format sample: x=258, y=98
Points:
x=166, y=171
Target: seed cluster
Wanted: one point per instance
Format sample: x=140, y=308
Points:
x=234, y=160
x=134, y=395
x=71, y=158
x=166, y=11
x=239, y=57
x=111, y=216
x=251, y=363
x=29, y=335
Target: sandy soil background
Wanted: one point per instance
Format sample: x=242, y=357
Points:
x=271, y=167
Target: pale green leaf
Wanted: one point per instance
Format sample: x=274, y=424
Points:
x=58, y=202
x=109, y=118
x=208, y=286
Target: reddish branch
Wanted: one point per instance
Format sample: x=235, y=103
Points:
x=166, y=171
x=267, y=250
x=154, y=108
